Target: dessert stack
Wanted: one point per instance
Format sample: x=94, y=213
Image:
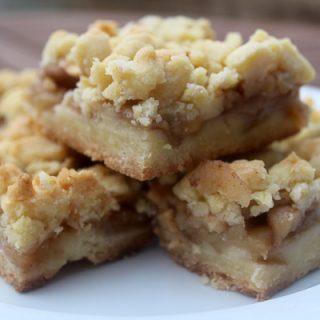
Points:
x=157, y=125
x=56, y=205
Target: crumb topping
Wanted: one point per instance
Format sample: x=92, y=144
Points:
x=175, y=29
x=27, y=219
x=173, y=66
x=228, y=194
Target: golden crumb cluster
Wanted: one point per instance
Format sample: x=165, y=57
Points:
x=13, y=90
x=22, y=145
x=160, y=72
x=21, y=142
x=27, y=220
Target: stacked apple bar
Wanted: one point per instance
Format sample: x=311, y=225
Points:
x=160, y=95
x=57, y=206
x=163, y=103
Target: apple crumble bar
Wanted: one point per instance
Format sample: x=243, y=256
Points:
x=243, y=226
x=159, y=95
x=53, y=210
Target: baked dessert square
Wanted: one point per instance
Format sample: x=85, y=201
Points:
x=159, y=95
x=244, y=226
x=56, y=207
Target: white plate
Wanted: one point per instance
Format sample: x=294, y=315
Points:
x=150, y=286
